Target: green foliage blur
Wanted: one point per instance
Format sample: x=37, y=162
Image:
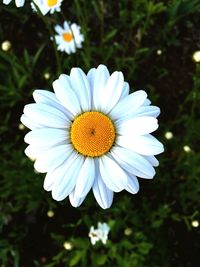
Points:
x=152, y=42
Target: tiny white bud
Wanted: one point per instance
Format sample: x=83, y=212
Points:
x=46, y=75
x=159, y=52
x=21, y=126
x=6, y=45
x=169, y=135
x=50, y=213
x=196, y=56
x=195, y=223
x=128, y=231
x=68, y=245
x=187, y=149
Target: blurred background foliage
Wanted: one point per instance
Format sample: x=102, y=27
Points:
x=152, y=42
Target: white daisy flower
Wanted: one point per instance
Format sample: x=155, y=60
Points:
x=103, y=229
x=46, y=6
x=101, y=233
x=69, y=37
x=19, y=3
x=92, y=134
x=94, y=235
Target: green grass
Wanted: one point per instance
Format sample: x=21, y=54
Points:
x=124, y=35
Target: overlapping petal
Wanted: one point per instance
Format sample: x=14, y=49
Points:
x=113, y=175
x=142, y=144
x=103, y=195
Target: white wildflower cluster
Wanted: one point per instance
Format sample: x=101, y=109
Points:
x=99, y=234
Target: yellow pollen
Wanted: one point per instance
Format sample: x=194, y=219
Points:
x=51, y=3
x=92, y=134
x=67, y=36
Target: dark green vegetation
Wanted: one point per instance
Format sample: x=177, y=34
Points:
x=124, y=35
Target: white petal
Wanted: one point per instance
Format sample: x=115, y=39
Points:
x=59, y=29
x=147, y=102
x=66, y=94
x=6, y=2
x=54, y=175
x=111, y=93
x=81, y=86
x=91, y=76
x=66, y=26
x=29, y=123
x=46, y=115
x=64, y=185
x=46, y=137
x=85, y=178
x=44, y=9
x=103, y=195
x=132, y=162
x=113, y=176
x=143, y=144
x=128, y=104
x=144, y=111
x=49, y=98
x=19, y=3
x=125, y=90
x=137, y=126
x=154, y=162
x=34, y=152
x=133, y=185
x=52, y=158
x=49, y=180
x=75, y=201
x=101, y=77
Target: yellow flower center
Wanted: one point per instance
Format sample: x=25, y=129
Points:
x=51, y=3
x=67, y=36
x=92, y=134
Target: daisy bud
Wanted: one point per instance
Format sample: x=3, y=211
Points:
x=187, y=149
x=50, y=213
x=6, y=45
x=68, y=245
x=195, y=224
x=128, y=231
x=196, y=56
x=159, y=52
x=169, y=135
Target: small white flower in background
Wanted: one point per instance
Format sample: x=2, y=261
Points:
x=68, y=245
x=6, y=45
x=69, y=37
x=46, y=6
x=196, y=56
x=195, y=224
x=169, y=135
x=94, y=235
x=101, y=233
x=187, y=149
x=104, y=229
x=19, y=3
x=92, y=134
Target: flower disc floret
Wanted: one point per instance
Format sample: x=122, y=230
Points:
x=92, y=134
